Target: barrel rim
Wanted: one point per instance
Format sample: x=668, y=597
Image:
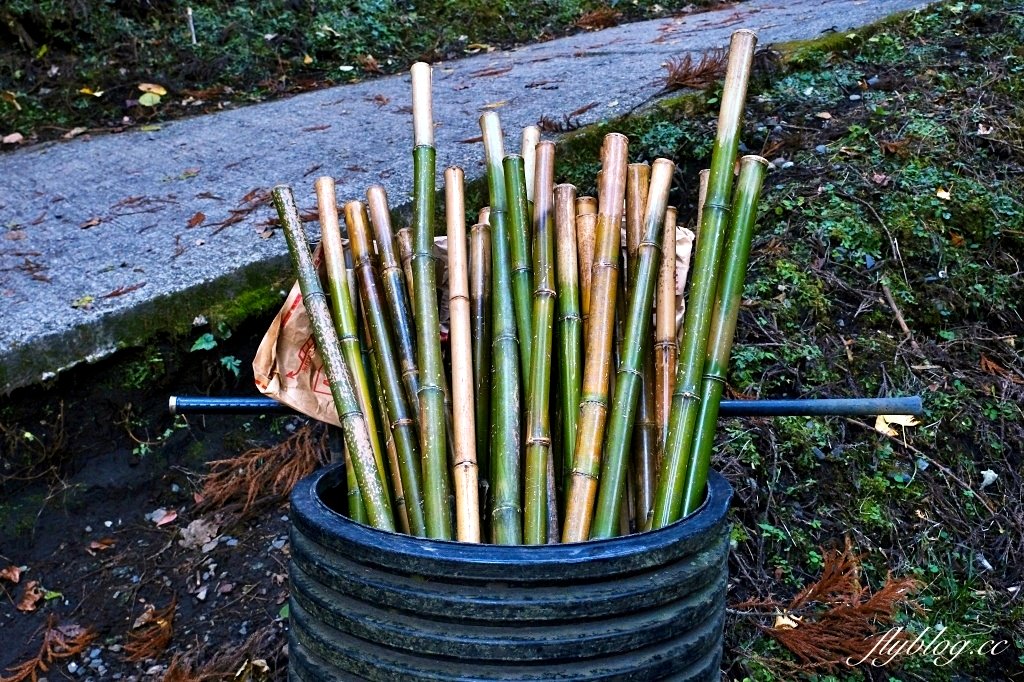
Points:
x=648, y=548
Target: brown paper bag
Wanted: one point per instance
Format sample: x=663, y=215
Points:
x=287, y=366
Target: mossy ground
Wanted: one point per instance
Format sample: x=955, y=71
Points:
x=900, y=167
x=75, y=65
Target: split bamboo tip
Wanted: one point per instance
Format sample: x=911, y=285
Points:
x=753, y=158
x=355, y=215
x=422, y=107
x=484, y=217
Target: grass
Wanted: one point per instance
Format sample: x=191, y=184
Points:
x=73, y=66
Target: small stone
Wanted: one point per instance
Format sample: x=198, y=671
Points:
x=854, y=98
x=779, y=161
x=95, y=653
x=821, y=149
x=278, y=543
x=231, y=542
x=788, y=164
x=777, y=130
x=88, y=529
x=72, y=667
x=872, y=82
x=175, y=488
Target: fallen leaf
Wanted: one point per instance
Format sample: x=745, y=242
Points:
x=166, y=518
x=11, y=99
x=11, y=574
x=883, y=421
x=306, y=59
x=13, y=138
x=15, y=235
x=225, y=588
x=89, y=91
x=957, y=239
x=880, y=179
x=149, y=99
x=102, y=544
x=91, y=222
x=30, y=597
x=898, y=147
x=495, y=105
x=824, y=115
x=122, y=290
x=369, y=63
x=984, y=129
x=785, y=622
x=153, y=88
x=198, y=533
x=197, y=219
x=74, y=132
x=83, y=303
x=988, y=477
x=942, y=193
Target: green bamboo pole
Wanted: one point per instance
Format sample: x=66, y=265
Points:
x=597, y=367
x=398, y=414
x=356, y=508
x=570, y=322
x=467, y=494
x=353, y=422
x=506, y=512
x=522, y=270
x=666, y=348
x=403, y=238
x=635, y=335
x=528, y=150
x=395, y=291
x=343, y=310
x=538, y=426
x=480, y=319
x=433, y=441
x=668, y=499
x=723, y=325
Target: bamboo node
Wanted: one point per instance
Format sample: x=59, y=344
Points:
x=631, y=370
x=718, y=207
x=506, y=507
x=543, y=441
x=585, y=474
x=712, y=377
x=644, y=242
x=458, y=297
x=603, y=402
x=665, y=344
x=398, y=423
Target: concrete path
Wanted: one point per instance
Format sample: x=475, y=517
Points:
x=97, y=247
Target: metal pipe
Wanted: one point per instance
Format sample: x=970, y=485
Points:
x=782, y=407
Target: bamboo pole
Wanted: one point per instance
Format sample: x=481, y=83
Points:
x=506, y=513
x=586, y=229
x=594, y=395
x=637, y=328
x=668, y=500
x=528, y=150
x=398, y=413
x=343, y=309
x=522, y=270
x=395, y=291
x=356, y=508
x=480, y=319
x=353, y=422
x=467, y=494
x=702, y=194
x=645, y=448
x=404, y=240
x=723, y=325
x=666, y=348
x=570, y=323
x=538, y=426
x=433, y=441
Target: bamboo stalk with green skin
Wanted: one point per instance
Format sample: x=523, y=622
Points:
x=643, y=464
x=570, y=322
x=522, y=270
x=343, y=309
x=395, y=290
x=432, y=423
x=403, y=238
x=356, y=508
x=397, y=413
x=353, y=422
x=528, y=150
x=480, y=320
x=723, y=325
x=538, y=426
x=506, y=514
x=668, y=499
x=594, y=394
x=637, y=328
x=467, y=494
x=666, y=348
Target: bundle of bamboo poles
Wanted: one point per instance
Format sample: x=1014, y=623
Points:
x=566, y=407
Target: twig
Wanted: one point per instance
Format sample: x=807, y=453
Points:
x=899, y=317
x=938, y=465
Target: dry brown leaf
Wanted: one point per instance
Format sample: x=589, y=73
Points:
x=59, y=642
x=153, y=88
x=824, y=115
x=11, y=574
x=167, y=518
x=196, y=220
x=31, y=595
x=102, y=544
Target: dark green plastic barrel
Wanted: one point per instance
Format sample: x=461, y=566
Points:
x=367, y=604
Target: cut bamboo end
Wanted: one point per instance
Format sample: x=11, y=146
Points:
x=586, y=205
x=422, y=105
x=494, y=142
x=638, y=177
x=612, y=179
x=484, y=217
x=531, y=136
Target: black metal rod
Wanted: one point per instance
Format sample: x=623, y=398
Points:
x=784, y=407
